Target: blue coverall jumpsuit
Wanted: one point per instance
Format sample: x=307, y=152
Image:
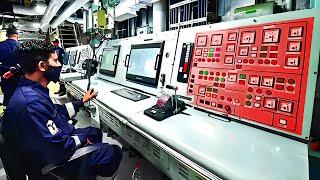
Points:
x=39, y=130
x=7, y=59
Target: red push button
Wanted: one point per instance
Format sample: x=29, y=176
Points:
x=260, y=61
x=216, y=84
x=279, y=86
x=267, y=61
x=245, y=61
x=211, y=78
x=211, y=73
x=291, y=81
x=259, y=91
x=205, y=77
x=224, y=74
x=227, y=108
x=203, y=60
x=268, y=92
x=214, y=96
x=222, y=97
x=222, y=85
x=290, y=88
x=217, y=73
x=200, y=77
x=251, y=61
x=250, y=89
x=209, y=60
x=217, y=60
x=274, y=62
x=213, y=60
x=229, y=99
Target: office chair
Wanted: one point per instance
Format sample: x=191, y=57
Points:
x=15, y=170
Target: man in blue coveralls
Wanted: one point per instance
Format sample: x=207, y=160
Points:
x=60, y=52
x=38, y=129
x=8, y=61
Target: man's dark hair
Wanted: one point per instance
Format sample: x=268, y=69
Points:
x=32, y=52
x=12, y=30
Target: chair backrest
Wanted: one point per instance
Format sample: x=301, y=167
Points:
x=12, y=162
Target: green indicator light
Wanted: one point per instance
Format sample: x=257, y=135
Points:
x=211, y=49
x=215, y=90
x=209, y=89
x=206, y=73
x=249, y=96
x=223, y=79
x=242, y=76
x=248, y=103
x=210, y=55
x=216, y=79
x=200, y=72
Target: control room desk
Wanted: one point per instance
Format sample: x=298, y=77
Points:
x=228, y=149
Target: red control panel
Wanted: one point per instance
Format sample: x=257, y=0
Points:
x=257, y=73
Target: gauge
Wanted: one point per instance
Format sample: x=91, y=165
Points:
x=296, y=31
x=202, y=41
x=248, y=37
x=216, y=39
x=271, y=35
x=232, y=36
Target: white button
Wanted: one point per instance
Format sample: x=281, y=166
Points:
x=258, y=98
x=239, y=60
x=213, y=104
x=254, y=55
x=283, y=122
x=254, y=48
x=257, y=105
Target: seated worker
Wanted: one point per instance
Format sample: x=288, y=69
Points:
x=38, y=129
x=9, y=61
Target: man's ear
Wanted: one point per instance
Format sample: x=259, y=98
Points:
x=41, y=66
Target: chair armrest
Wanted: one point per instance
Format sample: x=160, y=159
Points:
x=77, y=154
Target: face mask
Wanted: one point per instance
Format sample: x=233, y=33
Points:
x=53, y=73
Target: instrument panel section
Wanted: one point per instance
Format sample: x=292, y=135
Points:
x=216, y=50
x=256, y=73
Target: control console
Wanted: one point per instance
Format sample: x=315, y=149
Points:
x=256, y=73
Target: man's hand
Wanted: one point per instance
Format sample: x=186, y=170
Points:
x=89, y=95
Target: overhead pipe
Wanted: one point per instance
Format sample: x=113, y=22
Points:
x=72, y=8
x=38, y=9
x=50, y=12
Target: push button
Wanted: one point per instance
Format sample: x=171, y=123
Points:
x=279, y=87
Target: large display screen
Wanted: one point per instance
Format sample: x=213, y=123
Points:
x=143, y=64
x=109, y=61
x=73, y=58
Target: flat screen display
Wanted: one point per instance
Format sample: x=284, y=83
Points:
x=73, y=57
x=143, y=64
x=109, y=61
x=66, y=58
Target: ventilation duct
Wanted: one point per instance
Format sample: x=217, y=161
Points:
x=50, y=12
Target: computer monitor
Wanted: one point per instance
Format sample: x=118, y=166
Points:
x=66, y=58
x=144, y=63
x=73, y=58
x=109, y=61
